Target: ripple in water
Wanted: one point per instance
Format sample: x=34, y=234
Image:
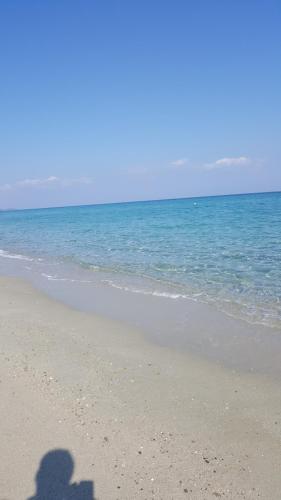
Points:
x=220, y=250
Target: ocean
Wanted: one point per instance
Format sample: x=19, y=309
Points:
x=224, y=251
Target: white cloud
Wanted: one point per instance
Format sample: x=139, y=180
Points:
x=239, y=161
x=37, y=182
x=46, y=182
x=180, y=162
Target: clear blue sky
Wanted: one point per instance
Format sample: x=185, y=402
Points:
x=120, y=100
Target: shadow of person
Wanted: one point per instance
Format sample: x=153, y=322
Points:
x=54, y=476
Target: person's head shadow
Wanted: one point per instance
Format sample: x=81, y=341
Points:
x=53, y=479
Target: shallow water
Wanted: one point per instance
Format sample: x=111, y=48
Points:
x=221, y=250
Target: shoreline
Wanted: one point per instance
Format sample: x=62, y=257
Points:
x=141, y=420
x=217, y=251
x=181, y=324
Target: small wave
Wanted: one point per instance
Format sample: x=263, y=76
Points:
x=8, y=255
x=155, y=293
x=49, y=277
x=267, y=320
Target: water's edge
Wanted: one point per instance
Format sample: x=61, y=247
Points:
x=181, y=324
x=223, y=251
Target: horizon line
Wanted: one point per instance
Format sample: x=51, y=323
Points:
x=137, y=201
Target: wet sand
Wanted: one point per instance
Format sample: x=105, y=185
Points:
x=140, y=420
x=182, y=324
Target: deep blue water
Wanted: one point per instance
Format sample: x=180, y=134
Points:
x=224, y=250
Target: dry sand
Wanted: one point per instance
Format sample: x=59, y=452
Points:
x=140, y=421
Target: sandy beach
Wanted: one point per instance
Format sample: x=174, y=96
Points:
x=140, y=250
x=140, y=421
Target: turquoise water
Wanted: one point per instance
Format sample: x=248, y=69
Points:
x=222, y=250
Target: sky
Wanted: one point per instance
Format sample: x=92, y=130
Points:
x=106, y=100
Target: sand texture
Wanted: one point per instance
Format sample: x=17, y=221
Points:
x=139, y=421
